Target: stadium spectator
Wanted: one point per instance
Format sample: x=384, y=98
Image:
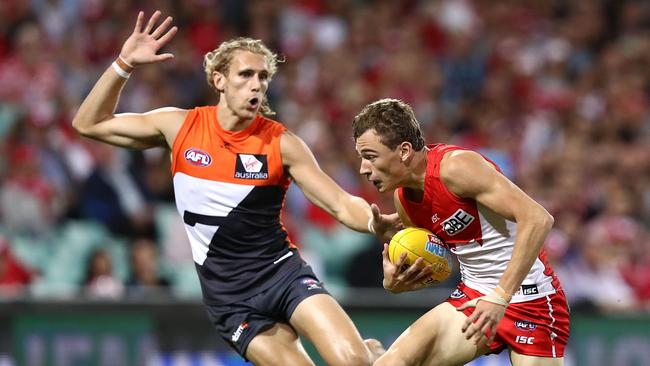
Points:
x=100, y=282
x=145, y=278
x=28, y=202
x=112, y=195
x=14, y=275
x=593, y=278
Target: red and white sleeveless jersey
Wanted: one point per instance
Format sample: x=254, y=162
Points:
x=481, y=239
x=230, y=188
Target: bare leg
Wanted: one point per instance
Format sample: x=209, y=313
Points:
x=322, y=320
x=434, y=339
x=522, y=360
x=278, y=346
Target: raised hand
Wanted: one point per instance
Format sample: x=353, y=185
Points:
x=399, y=278
x=385, y=226
x=143, y=44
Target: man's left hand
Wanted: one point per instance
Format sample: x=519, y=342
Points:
x=486, y=316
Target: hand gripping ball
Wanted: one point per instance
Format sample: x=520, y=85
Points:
x=418, y=242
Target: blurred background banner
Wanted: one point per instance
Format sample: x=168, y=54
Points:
x=176, y=334
x=86, y=338
x=614, y=340
x=94, y=260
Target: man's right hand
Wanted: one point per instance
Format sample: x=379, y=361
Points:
x=143, y=44
x=385, y=226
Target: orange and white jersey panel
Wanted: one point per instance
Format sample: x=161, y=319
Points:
x=230, y=188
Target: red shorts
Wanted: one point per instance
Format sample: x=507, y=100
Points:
x=538, y=327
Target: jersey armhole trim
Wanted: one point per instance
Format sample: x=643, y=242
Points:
x=449, y=149
x=182, y=133
x=404, y=202
x=282, y=130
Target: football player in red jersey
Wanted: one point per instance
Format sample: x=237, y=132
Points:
x=231, y=167
x=509, y=296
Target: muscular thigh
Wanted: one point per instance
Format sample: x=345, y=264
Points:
x=523, y=360
x=322, y=320
x=277, y=346
x=434, y=339
x=266, y=313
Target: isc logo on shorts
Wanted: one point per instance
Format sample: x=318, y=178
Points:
x=457, y=222
x=251, y=166
x=197, y=157
x=524, y=340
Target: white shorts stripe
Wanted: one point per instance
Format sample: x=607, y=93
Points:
x=552, y=335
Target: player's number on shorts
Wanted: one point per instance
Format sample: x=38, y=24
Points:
x=192, y=219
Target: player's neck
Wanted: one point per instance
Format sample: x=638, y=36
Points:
x=229, y=120
x=418, y=170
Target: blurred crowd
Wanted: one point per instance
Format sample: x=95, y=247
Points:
x=555, y=91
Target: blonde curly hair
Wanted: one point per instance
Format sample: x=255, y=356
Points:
x=221, y=58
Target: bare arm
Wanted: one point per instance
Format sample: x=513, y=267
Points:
x=319, y=188
x=96, y=118
x=467, y=174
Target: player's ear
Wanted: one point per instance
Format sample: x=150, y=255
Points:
x=219, y=80
x=405, y=151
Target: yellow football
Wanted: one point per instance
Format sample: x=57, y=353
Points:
x=418, y=242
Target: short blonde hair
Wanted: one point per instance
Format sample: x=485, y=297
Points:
x=220, y=60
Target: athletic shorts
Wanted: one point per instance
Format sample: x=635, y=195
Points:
x=238, y=323
x=537, y=327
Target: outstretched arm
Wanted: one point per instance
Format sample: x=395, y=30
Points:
x=354, y=212
x=96, y=118
x=459, y=171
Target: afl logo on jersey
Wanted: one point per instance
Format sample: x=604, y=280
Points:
x=197, y=157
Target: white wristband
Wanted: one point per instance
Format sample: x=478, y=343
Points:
x=501, y=292
x=120, y=71
x=495, y=298
x=371, y=228
x=492, y=297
